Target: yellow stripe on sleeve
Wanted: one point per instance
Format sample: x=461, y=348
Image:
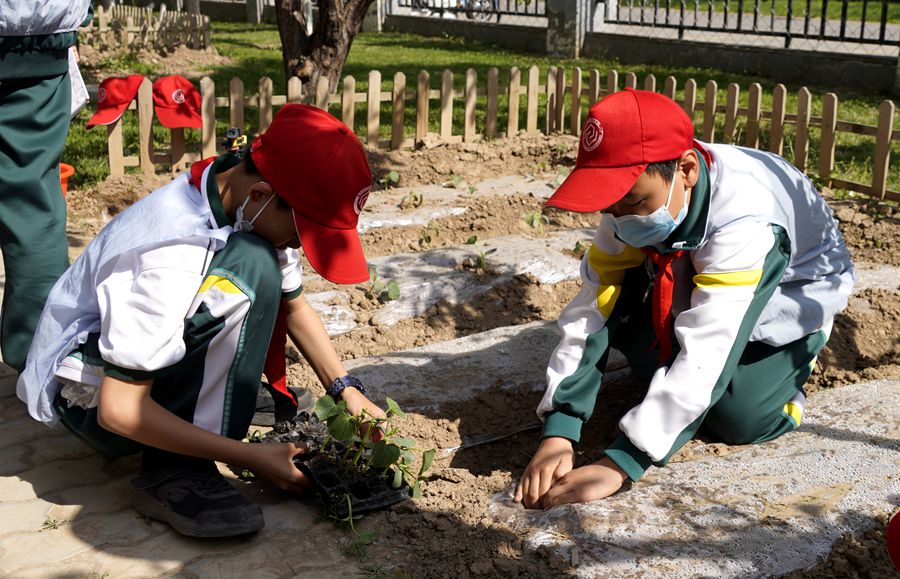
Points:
x=221, y=283
x=610, y=270
x=731, y=278
x=795, y=411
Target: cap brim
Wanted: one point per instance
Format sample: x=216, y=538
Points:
x=589, y=189
x=107, y=116
x=175, y=119
x=336, y=254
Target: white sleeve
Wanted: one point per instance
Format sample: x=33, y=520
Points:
x=144, y=299
x=291, y=270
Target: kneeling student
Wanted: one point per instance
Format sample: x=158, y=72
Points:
x=717, y=270
x=155, y=339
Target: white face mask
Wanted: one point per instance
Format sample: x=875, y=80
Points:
x=644, y=230
x=240, y=224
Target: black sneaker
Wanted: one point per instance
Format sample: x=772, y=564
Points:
x=273, y=406
x=197, y=502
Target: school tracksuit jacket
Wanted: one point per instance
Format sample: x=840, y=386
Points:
x=35, y=106
x=165, y=292
x=762, y=273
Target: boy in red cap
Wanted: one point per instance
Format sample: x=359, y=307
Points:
x=717, y=270
x=155, y=339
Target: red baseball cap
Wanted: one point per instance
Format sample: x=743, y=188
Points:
x=316, y=164
x=113, y=97
x=177, y=102
x=623, y=133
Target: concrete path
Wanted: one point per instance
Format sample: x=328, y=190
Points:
x=764, y=510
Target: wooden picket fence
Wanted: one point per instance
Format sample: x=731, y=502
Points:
x=134, y=27
x=562, y=109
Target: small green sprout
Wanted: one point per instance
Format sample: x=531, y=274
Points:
x=481, y=259
x=386, y=292
x=425, y=237
x=390, y=180
x=536, y=220
x=412, y=200
x=455, y=181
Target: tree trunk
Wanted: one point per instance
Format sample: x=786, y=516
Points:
x=324, y=52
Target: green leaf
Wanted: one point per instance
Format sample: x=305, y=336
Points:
x=384, y=454
x=416, y=491
x=393, y=290
x=325, y=408
x=393, y=407
x=373, y=271
x=393, y=176
x=404, y=442
x=472, y=240
x=366, y=537
x=427, y=459
x=398, y=480
x=341, y=427
x=490, y=251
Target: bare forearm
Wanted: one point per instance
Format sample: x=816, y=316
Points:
x=307, y=331
x=127, y=409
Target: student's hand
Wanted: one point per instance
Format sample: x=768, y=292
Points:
x=356, y=404
x=587, y=483
x=552, y=461
x=274, y=461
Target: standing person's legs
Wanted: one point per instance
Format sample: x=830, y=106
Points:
x=34, y=122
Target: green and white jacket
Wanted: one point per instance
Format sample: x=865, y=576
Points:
x=35, y=36
x=754, y=222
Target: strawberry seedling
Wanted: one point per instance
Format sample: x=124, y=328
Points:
x=481, y=259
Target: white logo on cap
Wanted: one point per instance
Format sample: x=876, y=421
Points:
x=361, y=199
x=592, y=134
x=101, y=94
x=178, y=96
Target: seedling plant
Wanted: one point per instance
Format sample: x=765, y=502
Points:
x=389, y=180
x=427, y=232
x=412, y=200
x=385, y=292
x=536, y=220
x=481, y=259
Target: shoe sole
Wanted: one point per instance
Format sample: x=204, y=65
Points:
x=149, y=507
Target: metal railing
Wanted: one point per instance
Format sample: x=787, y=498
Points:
x=855, y=21
x=481, y=10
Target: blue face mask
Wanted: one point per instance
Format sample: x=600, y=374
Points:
x=644, y=230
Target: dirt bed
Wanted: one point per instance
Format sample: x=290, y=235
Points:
x=448, y=532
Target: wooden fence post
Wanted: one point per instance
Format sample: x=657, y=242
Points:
x=323, y=91
x=531, y=101
x=754, y=105
x=348, y=102
x=630, y=80
x=145, y=127
x=612, y=82
x=422, y=106
x=374, y=108
x=236, y=103
x=689, y=104
x=208, y=118
x=882, y=149
x=826, y=146
x=801, y=148
x=709, y=111
x=650, y=83
x=265, y=104
x=559, y=111
x=515, y=85
x=550, y=92
x=470, y=96
x=776, y=129
x=671, y=87
x=114, y=148
x=447, y=104
x=176, y=149
x=575, y=114
x=594, y=88
x=398, y=104
x=490, y=129
x=731, y=111
x=294, y=90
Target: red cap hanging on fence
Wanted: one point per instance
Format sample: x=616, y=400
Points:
x=624, y=133
x=113, y=97
x=177, y=102
x=316, y=164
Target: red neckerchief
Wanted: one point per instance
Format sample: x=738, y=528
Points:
x=275, y=368
x=663, y=288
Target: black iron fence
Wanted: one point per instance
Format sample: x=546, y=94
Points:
x=479, y=10
x=856, y=21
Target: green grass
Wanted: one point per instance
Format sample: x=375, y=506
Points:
x=256, y=52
